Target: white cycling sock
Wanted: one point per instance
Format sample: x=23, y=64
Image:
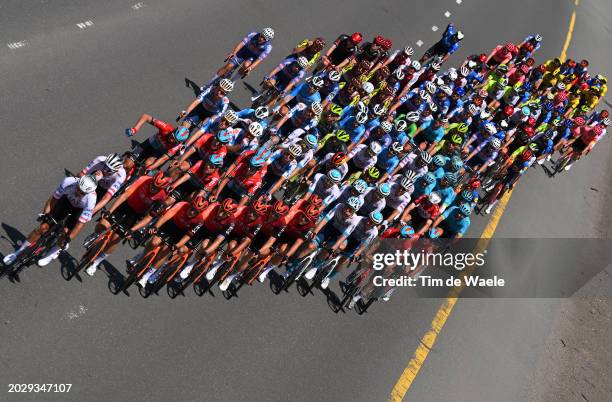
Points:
x=147, y=275
x=100, y=258
x=187, y=270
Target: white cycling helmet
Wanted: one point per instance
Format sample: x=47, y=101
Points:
x=406, y=183
x=425, y=157
x=262, y=112
x=361, y=117
x=431, y=87
x=386, y=126
x=436, y=66
x=401, y=125
x=416, y=65
x=295, y=150
x=484, y=114
x=561, y=86
x=226, y=85
x=88, y=184
x=268, y=33
x=423, y=94
x=538, y=38
x=503, y=124
x=375, y=147
x=317, y=108
x=408, y=51
x=397, y=147
x=230, y=116
x=379, y=109
x=490, y=128
x=433, y=107
x=113, y=162
x=317, y=82
x=399, y=74
x=452, y=74
x=354, y=203
x=256, y=129
x=302, y=62
x=412, y=116
x=368, y=87
x=473, y=109
x=334, y=76
x=460, y=35
x=496, y=143
x=434, y=198
x=464, y=71
x=411, y=175
x=360, y=186
x=361, y=107
x=446, y=89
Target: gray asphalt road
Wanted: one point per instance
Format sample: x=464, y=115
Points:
x=66, y=97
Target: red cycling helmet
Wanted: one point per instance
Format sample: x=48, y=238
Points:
x=584, y=63
x=542, y=68
x=508, y=110
x=387, y=44
x=524, y=68
x=482, y=58
x=199, y=203
x=228, y=205
x=526, y=155
x=379, y=40
x=561, y=97
x=531, y=121
x=474, y=184
x=597, y=130
x=280, y=208
x=530, y=61
x=161, y=181
x=579, y=121
x=604, y=113
x=529, y=131
x=338, y=159
x=356, y=38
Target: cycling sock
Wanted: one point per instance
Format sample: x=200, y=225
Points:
x=23, y=246
x=100, y=258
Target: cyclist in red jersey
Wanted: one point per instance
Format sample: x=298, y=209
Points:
x=134, y=209
x=208, y=144
x=245, y=176
x=166, y=142
x=201, y=178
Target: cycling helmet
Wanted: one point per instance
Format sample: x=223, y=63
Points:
x=474, y=183
x=496, y=143
x=412, y=116
x=400, y=125
x=360, y=186
x=262, y=112
x=438, y=160
x=456, y=163
x=452, y=74
x=376, y=217
x=526, y=155
x=525, y=111
x=406, y=183
x=538, y=38
x=436, y=66
x=503, y=81
x=338, y=158
x=416, y=65
x=446, y=89
x=434, y=197
x=459, y=91
x=465, y=210
x=229, y=206
x=483, y=93
x=223, y=137
x=88, y=184
x=432, y=106
x=230, y=116
x=161, y=181
x=334, y=176
x=356, y=38
x=379, y=110
x=464, y=71
x=561, y=86
x=407, y=231
x=268, y=33
x=354, y=203
x=431, y=87
x=361, y=117
x=373, y=172
x=302, y=62
x=548, y=106
x=199, y=203
x=467, y=195
x=579, y=121
x=397, y=147
x=361, y=107
x=456, y=139
x=490, y=128
x=597, y=130
x=113, y=162
x=462, y=128
x=451, y=178
x=429, y=178
x=181, y=134
x=423, y=95
x=375, y=147
x=256, y=129
x=317, y=108
x=606, y=121
x=226, y=85
x=259, y=159
x=411, y=175
x=317, y=82
x=473, y=109
x=503, y=124
x=383, y=189
x=311, y=140
x=368, y=87
x=342, y=136
x=215, y=160
x=386, y=126
x=398, y=74
x=531, y=121
x=334, y=76
x=295, y=150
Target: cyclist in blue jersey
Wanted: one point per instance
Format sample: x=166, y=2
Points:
x=209, y=105
x=445, y=46
x=282, y=79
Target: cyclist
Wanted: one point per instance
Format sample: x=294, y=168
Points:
x=422, y=212
x=310, y=49
x=167, y=140
x=109, y=173
x=247, y=54
x=282, y=79
x=445, y=46
x=398, y=198
x=325, y=187
x=244, y=177
x=209, y=105
x=455, y=221
x=74, y=200
x=208, y=144
x=133, y=210
x=341, y=52
x=363, y=156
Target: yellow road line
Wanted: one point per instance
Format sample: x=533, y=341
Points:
x=427, y=341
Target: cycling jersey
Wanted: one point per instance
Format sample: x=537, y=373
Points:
x=422, y=188
x=214, y=225
x=447, y=194
x=204, y=148
x=252, y=50
x=348, y=191
x=243, y=227
x=110, y=181
x=285, y=76
x=344, y=49
x=83, y=202
x=163, y=140
x=453, y=226
x=243, y=183
x=425, y=209
x=181, y=219
x=431, y=133
x=371, y=202
x=207, y=180
x=301, y=94
x=361, y=236
x=142, y=198
x=397, y=200
x=295, y=229
x=215, y=107
x=360, y=157
x=337, y=219
x=321, y=188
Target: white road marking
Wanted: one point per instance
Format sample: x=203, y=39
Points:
x=76, y=313
x=434, y=28
x=85, y=24
x=419, y=43
x=138, y=6
x=17, y=45
x=447, y=14
x=459, y=1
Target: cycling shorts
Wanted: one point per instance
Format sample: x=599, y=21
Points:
x=328, y=235
x=352, y=245
x=243, y=54
x=63, y=209
x=198, y=114
x=126, y=217
x=170, y=232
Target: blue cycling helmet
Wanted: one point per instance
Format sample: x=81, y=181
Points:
x=429, y=178
x=527, y=86
x=360, y=185
x=407, y=231
x=181, y=134
x=465, y=209
x=548, y=105
x=451, y=178
x=311, y=140
x=354, y=203
x=334, y=175
x=223, y=136
x=456, y=163
x=434, y=233
x=384, y=189
x=460, y=91
x=260, y=157
x=569, y=123
x=526, y=111
x=376, y=217
x=438, y=160
x=216, y=160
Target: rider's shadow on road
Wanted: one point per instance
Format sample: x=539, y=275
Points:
x=13, y=236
